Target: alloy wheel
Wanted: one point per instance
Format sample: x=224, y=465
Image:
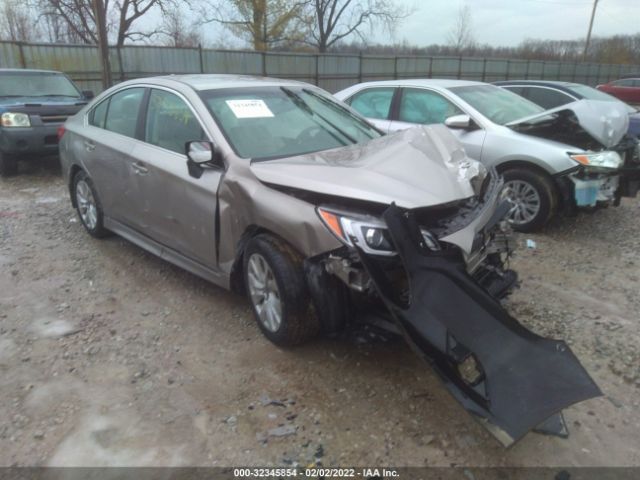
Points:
x=264, y=292
x=86, y=204
x=525, y=201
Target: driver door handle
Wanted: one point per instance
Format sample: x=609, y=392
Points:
x=139, y=168
x=89, y=146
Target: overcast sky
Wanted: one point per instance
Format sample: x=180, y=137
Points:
x=508, y=22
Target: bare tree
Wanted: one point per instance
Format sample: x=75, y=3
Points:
x=333, y=20
x=263, y=23
x=16, y=23
x=79, y=19
x=178, y=31
x=461, y=36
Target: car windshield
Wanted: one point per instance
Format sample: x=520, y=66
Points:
x=273, y=122
x=497, y=104
x=590, y=93
x=36, y=84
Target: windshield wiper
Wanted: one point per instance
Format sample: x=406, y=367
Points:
x=335, y=106
x=298, y=100
x=54, y=95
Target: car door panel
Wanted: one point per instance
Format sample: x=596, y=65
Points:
x=107, y=145
x=176, y=209
x=107, y=157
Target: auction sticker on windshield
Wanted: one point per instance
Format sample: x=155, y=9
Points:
x=249, y=108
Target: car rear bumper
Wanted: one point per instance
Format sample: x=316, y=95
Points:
x=34, y=140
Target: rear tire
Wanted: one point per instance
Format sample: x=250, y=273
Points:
x=8, y=165
x=534, y=196
x=276, y=288
x=88, y=205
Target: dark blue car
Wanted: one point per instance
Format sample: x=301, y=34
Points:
x=549, y=94
x=33, y=105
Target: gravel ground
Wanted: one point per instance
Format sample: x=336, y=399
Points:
x=110, y=356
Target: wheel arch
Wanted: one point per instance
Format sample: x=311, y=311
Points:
x=509, y=164
x=236, y=277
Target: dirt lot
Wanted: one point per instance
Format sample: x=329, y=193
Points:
x=110, y=356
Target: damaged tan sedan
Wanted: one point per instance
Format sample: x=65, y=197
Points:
x=273, y=188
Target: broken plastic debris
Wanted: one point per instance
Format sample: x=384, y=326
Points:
x=283, y=431
x=531, y=244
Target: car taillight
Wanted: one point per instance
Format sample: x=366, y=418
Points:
x=61, y=131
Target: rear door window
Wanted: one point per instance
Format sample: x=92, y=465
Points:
x=170, y=122
x=373, y=102
x=547, y=97
x=425, y=107
x=124, y=108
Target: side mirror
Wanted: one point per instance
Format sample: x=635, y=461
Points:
x=458, y=121
x=88, y=94
x=200, y=153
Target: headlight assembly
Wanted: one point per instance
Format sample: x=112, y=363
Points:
x=606, y=159
x=370, y=234
x=10, y=119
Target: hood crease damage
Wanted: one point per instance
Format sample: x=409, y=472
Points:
x=416, y=164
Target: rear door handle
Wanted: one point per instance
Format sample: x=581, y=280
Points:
x=140, y=168
x=89, y=146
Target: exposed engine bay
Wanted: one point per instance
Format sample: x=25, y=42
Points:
x=610, y=162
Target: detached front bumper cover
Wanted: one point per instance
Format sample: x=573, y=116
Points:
x=510, y=378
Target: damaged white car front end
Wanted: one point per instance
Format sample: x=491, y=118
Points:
x=607, y=161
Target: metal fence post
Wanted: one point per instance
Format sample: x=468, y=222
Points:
x=395, y=67
x=575, y=70
x=23, y=61
x=120, y=67
x=508, y=68
x=264, y=64
x=526, y=73
x=459, y=67
x=201, y=58
x=430, y=72
x=317, y=69
x=484, y=69
x=360, y=67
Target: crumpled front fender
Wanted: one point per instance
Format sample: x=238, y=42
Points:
x=510, y=378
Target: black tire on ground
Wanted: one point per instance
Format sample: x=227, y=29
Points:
x=299, y=321
x=546, y=190
x=97, y=231
x=8, y=165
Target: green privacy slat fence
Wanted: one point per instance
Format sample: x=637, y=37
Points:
x=330, y=71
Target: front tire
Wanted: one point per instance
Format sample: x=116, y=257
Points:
x=533, y=196
x=277, y=291
x=88, y=205
x=8, y=165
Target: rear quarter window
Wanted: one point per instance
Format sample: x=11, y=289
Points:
x=98, y=115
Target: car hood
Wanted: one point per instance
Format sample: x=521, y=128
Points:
x=35, y=101
x=419, y=167
x=605, y=122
